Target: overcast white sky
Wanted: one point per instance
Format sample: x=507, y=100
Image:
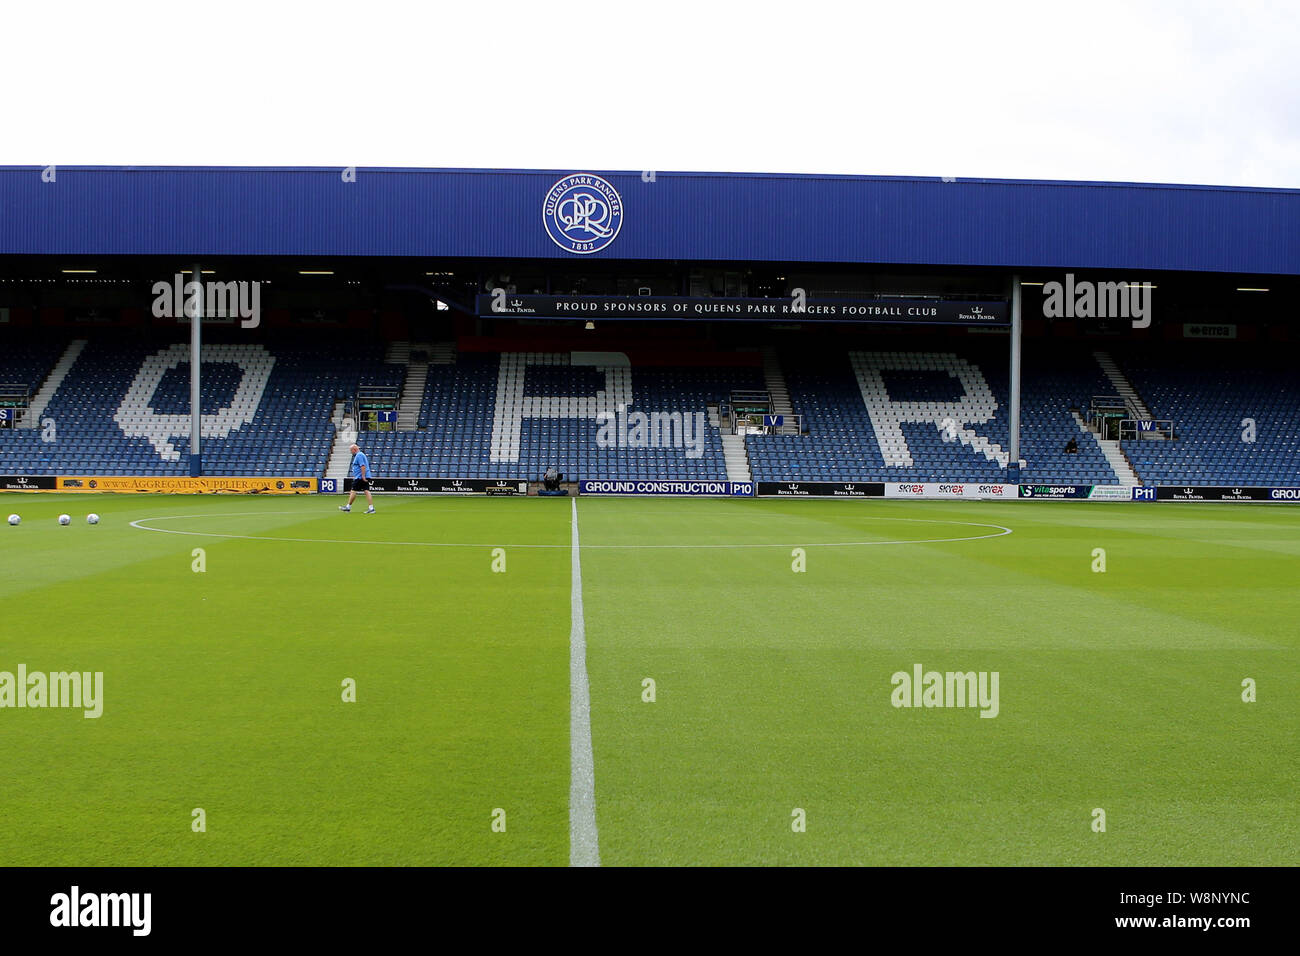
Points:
x=1188, y=92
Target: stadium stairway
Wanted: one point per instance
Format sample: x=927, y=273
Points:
x=734, y=455
x=1123, y=387
x=345, y=433
x=408, y=405
x=1119, y=462
x=775, y=381
x=41, y=401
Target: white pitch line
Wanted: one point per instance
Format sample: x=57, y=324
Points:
x=141, y=526
x=584, y=845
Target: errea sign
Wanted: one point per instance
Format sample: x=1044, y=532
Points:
x=582, y=213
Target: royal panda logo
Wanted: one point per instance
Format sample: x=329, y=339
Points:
x=582, y=213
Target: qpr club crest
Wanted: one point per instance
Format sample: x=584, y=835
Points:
x=583, y=213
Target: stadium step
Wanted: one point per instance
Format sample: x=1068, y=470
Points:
x=1119, y=463
x=398, y=353
x=51, y=384
x=734, y=454
x=1122, y=385
x=776, y=385
x=340, y=451
x=408, y=406
x=1115, y=456
x=1083, y=425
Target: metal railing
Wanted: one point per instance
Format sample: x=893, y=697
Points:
x=1131, y=429
x=768, y=424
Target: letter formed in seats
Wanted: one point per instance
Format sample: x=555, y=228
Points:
x=951, y=419
x=137, y=418
x=513, y=405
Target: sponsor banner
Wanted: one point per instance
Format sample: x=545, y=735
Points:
x=1144, y=493
x=614, y=486
x=1284, y=494
x=1093, y=492
x=1214, y=493
x=1109, y=493
x=444, y=486
x=1055, y=491
x=965, y=489
x=1209, y=330
x=821, y=489
x=27, y=483
x=189, y=486
x=905, y=311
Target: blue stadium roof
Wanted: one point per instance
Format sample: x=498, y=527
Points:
x=436, y=213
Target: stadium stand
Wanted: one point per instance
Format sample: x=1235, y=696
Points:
x=527, y=399
x=271, y=409
x=872, y=417
x=1209, y=400
x=123, y=409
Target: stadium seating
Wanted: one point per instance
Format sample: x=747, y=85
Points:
x=555, y=405
x=123, y=409
x=908, y=415
x=1209, y=401
x=877, y=416
x=28, y=362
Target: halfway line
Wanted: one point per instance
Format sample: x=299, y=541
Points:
x=584, y=846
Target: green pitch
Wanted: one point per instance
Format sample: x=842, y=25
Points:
x=772, y=736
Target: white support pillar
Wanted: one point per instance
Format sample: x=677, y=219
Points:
x=1013, y=457
x=196, y=364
